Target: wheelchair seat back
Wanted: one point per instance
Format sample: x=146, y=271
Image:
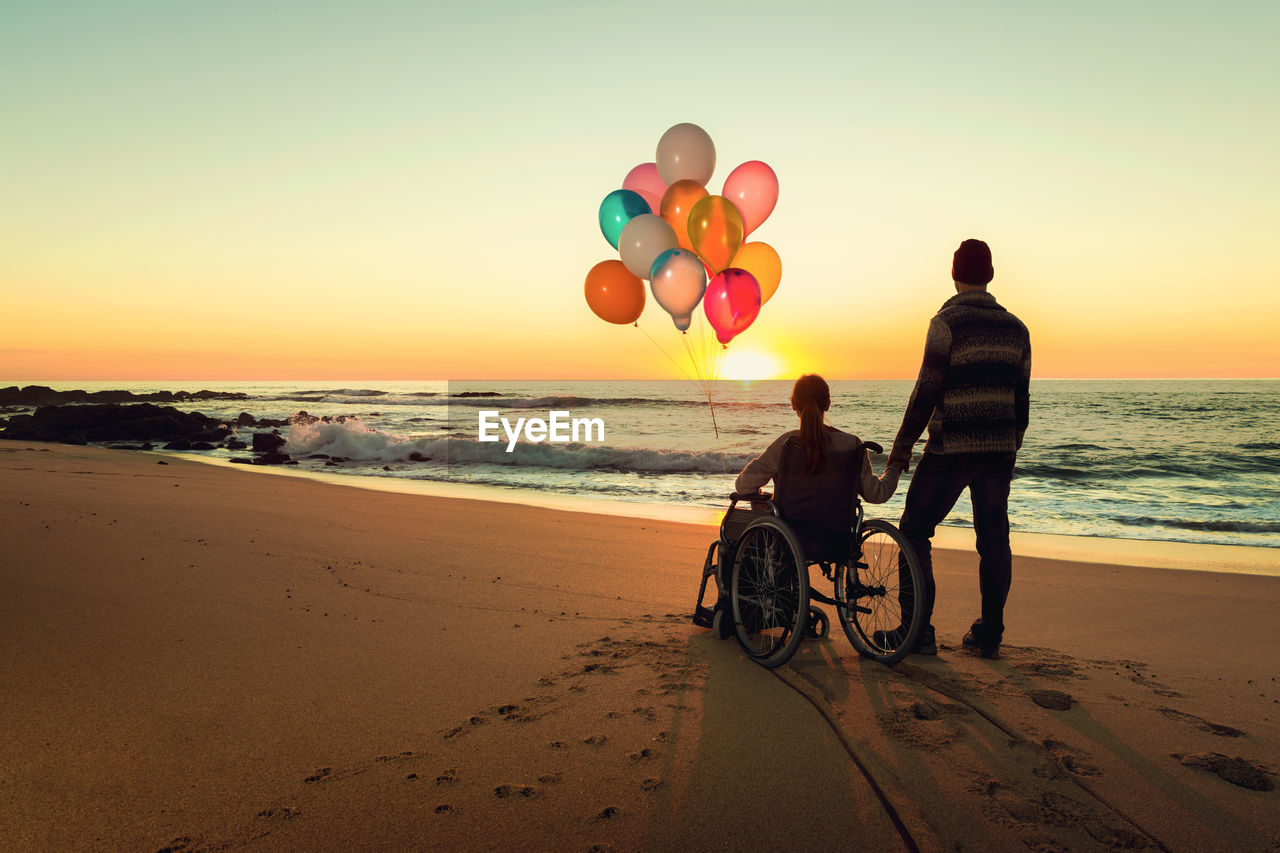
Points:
x=819, y=506
x=736, y=520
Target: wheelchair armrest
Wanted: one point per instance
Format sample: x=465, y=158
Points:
x=750, y=496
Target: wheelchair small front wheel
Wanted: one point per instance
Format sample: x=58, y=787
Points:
x=769, y=592
x=878, y=595
x=721, y=624
x=819, y=625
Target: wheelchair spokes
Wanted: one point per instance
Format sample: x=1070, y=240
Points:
x=876, y=596
x=769, y=593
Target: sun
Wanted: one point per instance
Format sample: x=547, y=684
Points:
x=747, y=364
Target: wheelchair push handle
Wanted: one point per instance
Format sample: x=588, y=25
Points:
x=873, y=447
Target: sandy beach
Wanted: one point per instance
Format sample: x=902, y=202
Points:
x=201, y=658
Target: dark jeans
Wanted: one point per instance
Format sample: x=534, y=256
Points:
x=939, y=480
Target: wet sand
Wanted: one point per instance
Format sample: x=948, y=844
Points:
x=203, y=658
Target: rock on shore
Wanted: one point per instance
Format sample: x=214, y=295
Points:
x=115, y=422
x=41, y=395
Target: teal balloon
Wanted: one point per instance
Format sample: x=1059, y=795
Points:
x=618, y=208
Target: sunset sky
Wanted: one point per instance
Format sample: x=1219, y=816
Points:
x=409, y=190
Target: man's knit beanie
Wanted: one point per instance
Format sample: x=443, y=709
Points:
x=972, y=263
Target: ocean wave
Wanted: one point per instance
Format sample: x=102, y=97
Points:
x=1207, y=525
x=355, y=441
x=1053, y=472
x=565, y=401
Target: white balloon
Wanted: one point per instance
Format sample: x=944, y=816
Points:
x=678, y=285
x=642, y=240
x=686, y=153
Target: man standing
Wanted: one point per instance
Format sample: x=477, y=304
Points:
x=973, y=394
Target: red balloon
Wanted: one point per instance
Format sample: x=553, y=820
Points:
x=753, y=189
x=614, y=294
x=732, y=303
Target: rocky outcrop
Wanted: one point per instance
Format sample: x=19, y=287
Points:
x=114, y=422
x=267, y=442
x=31, y=396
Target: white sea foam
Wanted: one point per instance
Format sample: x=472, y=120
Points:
x=351, y=439
x=354, y=440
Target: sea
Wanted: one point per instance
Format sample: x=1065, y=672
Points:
x=1163, y=460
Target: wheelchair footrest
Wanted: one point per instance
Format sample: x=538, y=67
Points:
x=702, y=616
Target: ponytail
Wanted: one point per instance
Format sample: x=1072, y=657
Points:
x=811, y=398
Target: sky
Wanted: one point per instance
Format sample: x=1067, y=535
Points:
x=383, y=190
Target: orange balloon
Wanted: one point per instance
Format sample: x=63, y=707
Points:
x=763, y=262
x=614, y=294
x=715, y=231
x=677, y=203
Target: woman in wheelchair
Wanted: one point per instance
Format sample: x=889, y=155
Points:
x=820, y=442
x=814, y=516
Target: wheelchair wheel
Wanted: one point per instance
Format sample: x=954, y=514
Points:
x=818, y=626
x=721, y=624
x=769, y=592
x=876, y=595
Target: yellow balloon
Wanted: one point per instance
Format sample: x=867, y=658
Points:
x=763, y=262
x=715, y=231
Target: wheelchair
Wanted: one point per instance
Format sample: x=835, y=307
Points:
x=761, y=565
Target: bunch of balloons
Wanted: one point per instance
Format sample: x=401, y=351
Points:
x=689, y=244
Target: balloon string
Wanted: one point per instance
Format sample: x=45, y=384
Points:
x=715, y=377
x=664, y=352
x=702, y=340
x=697, y=368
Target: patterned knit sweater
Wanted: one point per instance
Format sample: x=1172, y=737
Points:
x=973, y=389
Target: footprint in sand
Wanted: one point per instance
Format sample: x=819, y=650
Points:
x=1051, y=669
x=596, y=740
x=505, y=792
x=923, y=724
x=448, y=777
x=517, y=714
x=1237, y=770
x=1201, y=723
x=644, y=754
x=1054, y=700
x=476, y=720
x=1072, y=760
x=650, y=784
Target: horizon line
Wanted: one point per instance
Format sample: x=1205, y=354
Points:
x=296, y=380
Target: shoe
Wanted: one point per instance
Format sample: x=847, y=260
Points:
x=975, y=639
x=925, y=645
x=976, y=635
x=928, y=643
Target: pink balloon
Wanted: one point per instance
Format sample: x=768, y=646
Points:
x=732, y=303
x=645, y=180
x=753, y=189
